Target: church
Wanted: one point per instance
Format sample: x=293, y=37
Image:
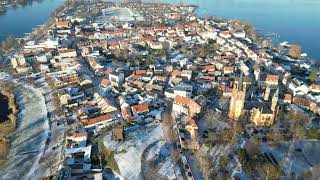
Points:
x=260, y=110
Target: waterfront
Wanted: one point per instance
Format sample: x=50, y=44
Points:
x=4, y=108
x=295, y=21
x=22, y=19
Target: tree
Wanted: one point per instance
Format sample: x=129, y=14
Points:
x=242, y=155
x=298, y=130
x=223, y=162
x=266, y=43
x=9, y=43
x=236, y=130
x=168, y=125
x=212, y=118
x=313, y=76
x=295, y=51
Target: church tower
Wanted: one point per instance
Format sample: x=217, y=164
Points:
x=237, y=100
x=266, y=94
x=274, y=100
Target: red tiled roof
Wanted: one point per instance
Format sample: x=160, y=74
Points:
x=207, y=68
x=140, y=108
x=315, y=87
x=140, y=72
x=75, y=135
x=63, y=23
x=207, y=78
x=149, y=38
x=287, y=97
x=99, y=119
x=185, y=101
x=272, y=78
x=66, y=51
x=191, y=123
x=302, y=101
x=228, y=69
x=104, y=82
x=109, y=71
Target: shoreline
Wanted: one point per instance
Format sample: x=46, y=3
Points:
x=260, y=37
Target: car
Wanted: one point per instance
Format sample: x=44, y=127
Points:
x=179, y=147
x=205, y=135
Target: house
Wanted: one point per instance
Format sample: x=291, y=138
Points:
x=228, y=70
x=314, y=88
x=23, y=69
x=116, y=78
x=76, y=139
x=206, y=68
x=186, y=105
x=105, y=84
x=44, y=68
x=66, y=79
x=65, y=53
x=83, y=152
x=118, y=133
x=302, y=102
x=104, y=104
x=184, y=90
x=127, y=114
x=95, y=66
x=169, y=93
x=240, y=34
x=298, y=87
x=287, y=98
x=185, y=73
x=42, y=57
x=140, y=108
x=272, y=80
x=62, y=24
x=99, y=122
x=155, y=45
x=18, y=60
x=71, y=97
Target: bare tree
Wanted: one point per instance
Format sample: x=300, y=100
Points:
x=295, y=51
x=168, y=124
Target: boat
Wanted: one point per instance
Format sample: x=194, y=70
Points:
x=285, y=43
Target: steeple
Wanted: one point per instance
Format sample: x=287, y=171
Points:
x=240, y=83
x=275, y=100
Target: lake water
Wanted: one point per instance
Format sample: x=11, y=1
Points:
x=20, y=20
x=296, y=21
x=4, y=108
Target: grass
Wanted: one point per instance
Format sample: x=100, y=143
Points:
x=107, y=157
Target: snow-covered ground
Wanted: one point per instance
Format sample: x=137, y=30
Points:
x=298, y=157
x=37, y=133
x=138, y=138
x=28, y=141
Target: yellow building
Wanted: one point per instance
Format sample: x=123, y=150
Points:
x=237, y=100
